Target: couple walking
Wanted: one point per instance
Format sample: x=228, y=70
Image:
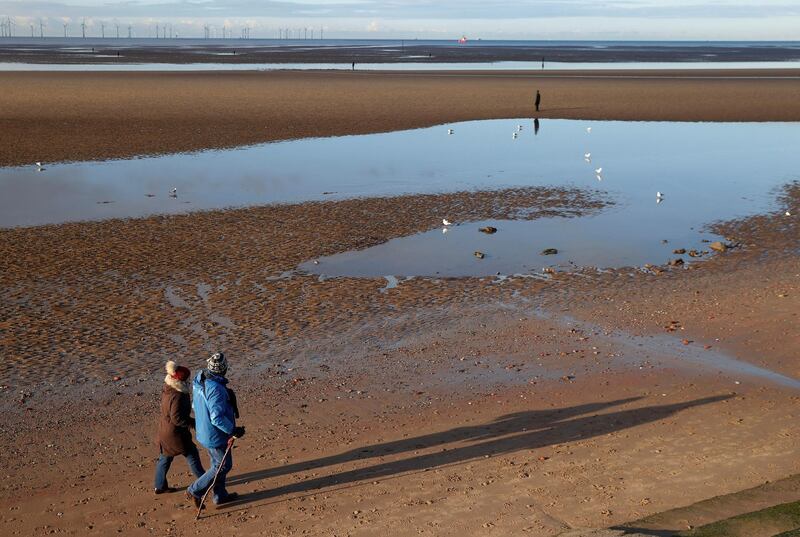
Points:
x=215, y=413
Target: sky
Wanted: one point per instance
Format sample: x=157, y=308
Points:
x=431, y=19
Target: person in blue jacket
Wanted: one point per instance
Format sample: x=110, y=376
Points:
x=215, y=416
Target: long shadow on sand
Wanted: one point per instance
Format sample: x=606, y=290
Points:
x=510, y=433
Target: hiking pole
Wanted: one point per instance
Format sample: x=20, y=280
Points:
x=214, y=481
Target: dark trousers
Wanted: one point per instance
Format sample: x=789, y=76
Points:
x=165, y=461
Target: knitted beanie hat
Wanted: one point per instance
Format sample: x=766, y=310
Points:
x=178, y=372
x=217, y=364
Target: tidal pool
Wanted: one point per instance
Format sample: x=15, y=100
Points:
x=705, y=171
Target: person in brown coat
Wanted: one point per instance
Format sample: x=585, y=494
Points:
x=174, y=436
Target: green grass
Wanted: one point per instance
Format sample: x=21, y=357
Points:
x=792, y=533
x=768, y=522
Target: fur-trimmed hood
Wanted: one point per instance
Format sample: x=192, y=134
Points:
x=183, y=386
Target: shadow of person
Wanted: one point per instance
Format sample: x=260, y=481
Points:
x=507, y=434
x=517, y=422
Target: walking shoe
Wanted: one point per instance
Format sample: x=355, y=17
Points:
x=165, y=491
x=231, y=497
x=194, y=499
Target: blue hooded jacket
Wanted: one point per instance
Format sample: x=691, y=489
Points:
x=213, y=411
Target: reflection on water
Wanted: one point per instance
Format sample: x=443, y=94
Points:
x=705, y=172
x=397, y=66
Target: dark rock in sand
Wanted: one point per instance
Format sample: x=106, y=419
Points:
x=718, y=246
x=489, y=230
x=480, y=255
x=676, y=262
x=549, y=251
x=679, y=251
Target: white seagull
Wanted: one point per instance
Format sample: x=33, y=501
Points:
x=587, y=156
x=599, y=171
x=450, y=131
x=39, y=167
x=446, y=222
x=519, y=127
x=514, y=135
x=588, y=129
x=787, y=213
x=174, y=192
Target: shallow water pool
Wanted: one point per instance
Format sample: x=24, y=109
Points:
x=705, y=172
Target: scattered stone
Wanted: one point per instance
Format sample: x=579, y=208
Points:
x=695, y=253
x=718, y=246
x=117, y=378
x=549, y=251
x=679, y=251
x=480, y=255
x=676, y=262
x=489, y=230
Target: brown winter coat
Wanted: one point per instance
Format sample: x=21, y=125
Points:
x=174, y=436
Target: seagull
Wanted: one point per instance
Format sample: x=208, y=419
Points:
x=39, y=167
x=514, y=136
x=519, y=127
x=587, y=156
x=589, y=129
x=174, y=192
x=444, y=230
x=599, y=171
x=450, y=131
x=787, y=213
x=446, y=222
x=659, y=196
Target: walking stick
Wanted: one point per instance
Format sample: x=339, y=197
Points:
x=214, y=481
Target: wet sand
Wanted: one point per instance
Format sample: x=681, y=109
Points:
x=90, y=51
x=439, y=407
x=470, y=406
x=82, y=116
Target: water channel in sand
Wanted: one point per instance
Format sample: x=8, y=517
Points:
x=705, y=171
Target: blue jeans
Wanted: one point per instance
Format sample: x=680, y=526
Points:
x=199, y=487
x=165, y=461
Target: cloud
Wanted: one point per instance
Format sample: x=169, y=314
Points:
x=532, y=19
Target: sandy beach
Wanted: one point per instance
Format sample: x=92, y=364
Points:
x=441, y=406
x=81, y=116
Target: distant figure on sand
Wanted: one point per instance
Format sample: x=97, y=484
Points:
x=538, y=100
x=215, y=411
x=535, y=126
x=542, y=62
x=174, y=436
